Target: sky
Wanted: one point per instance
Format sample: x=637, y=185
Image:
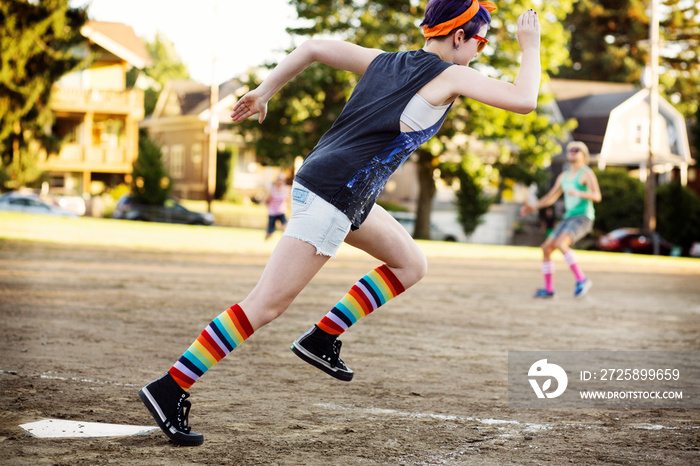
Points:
x=242, y=33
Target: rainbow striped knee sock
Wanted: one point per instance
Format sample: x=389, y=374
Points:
x=373, y=290
x=222, y=335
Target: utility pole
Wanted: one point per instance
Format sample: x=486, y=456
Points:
x=213, y=121
x=650, y=201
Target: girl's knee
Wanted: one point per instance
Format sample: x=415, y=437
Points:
x=416, y=268
x=262, y=312
x=562, y=245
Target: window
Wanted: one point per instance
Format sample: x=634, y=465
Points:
x=165, y=150
x=197, y=157
x=177, y=161
x=640, y=132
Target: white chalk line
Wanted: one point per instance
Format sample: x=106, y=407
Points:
x=501, y=424
x=53, y=376
x=527, y=426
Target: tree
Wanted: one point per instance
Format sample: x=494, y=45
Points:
x=695, y=135
x=225, y=163
x=306, y=108
x=472, y=202
x=609, y=42
x=39, y=42
x=150, y=182
x=166, y=65
x=299, y=114
x=622, y=203
x=679, y=220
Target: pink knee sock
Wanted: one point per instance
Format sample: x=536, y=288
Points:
x=548, y=273
x=570, y=259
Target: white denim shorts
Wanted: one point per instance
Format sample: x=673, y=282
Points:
x=316, y=221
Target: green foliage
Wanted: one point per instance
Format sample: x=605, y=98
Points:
x=5, y=176
x=230, y=194
x=24, y=171
x=150, y=184
x=608, y=44
x=118, y=191
x=299, y=115
x=472, y=202
x=40, y=42
x=622, y=203
x=224, y=181
x=678, y=214
x=695, y=135
x=166, y=65
x=680, y=55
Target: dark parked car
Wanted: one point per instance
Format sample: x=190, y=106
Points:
x=171, y=212
x=636, y=241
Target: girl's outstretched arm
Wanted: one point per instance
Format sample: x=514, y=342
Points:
x=341, y=55
x=546, y=200
x=519, y=96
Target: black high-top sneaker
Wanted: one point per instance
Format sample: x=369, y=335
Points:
x=170, y=408
x=322, y=350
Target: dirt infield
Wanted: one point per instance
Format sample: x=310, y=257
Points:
x=82, y=329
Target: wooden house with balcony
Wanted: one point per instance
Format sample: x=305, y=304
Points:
x=97, y=116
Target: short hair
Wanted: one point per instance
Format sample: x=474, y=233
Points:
x=439, y=11
x=582, y=147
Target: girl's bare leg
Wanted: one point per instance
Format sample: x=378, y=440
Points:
x=290, y=268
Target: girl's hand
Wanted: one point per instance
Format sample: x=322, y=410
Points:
x=249, y=105
x=574, y=193
x=526, y=209
x=529, y=30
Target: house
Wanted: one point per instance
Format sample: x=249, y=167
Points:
x=180, y=126
x=613, y=121
x=96, y=116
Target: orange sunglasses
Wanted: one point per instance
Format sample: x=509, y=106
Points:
x=482, y=42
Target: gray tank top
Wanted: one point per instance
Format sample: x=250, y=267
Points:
x=353, y=161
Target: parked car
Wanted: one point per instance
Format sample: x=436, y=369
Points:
x=636, y=241
x=694, y=250
x=171, y=212
x=408, y=221
x=75, y=204
x=31, y=204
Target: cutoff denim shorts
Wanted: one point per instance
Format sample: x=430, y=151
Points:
x=316, y=221
x=576, y=227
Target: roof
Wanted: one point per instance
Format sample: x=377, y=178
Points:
x=565, y=89
x=119, y=39
x=190, y=94
x=590, y=103
x=592, y=106
x=190, y=98
x=225, y=89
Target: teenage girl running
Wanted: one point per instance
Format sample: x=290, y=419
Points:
x=399, y=103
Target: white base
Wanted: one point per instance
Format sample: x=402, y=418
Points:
x=60, y=428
